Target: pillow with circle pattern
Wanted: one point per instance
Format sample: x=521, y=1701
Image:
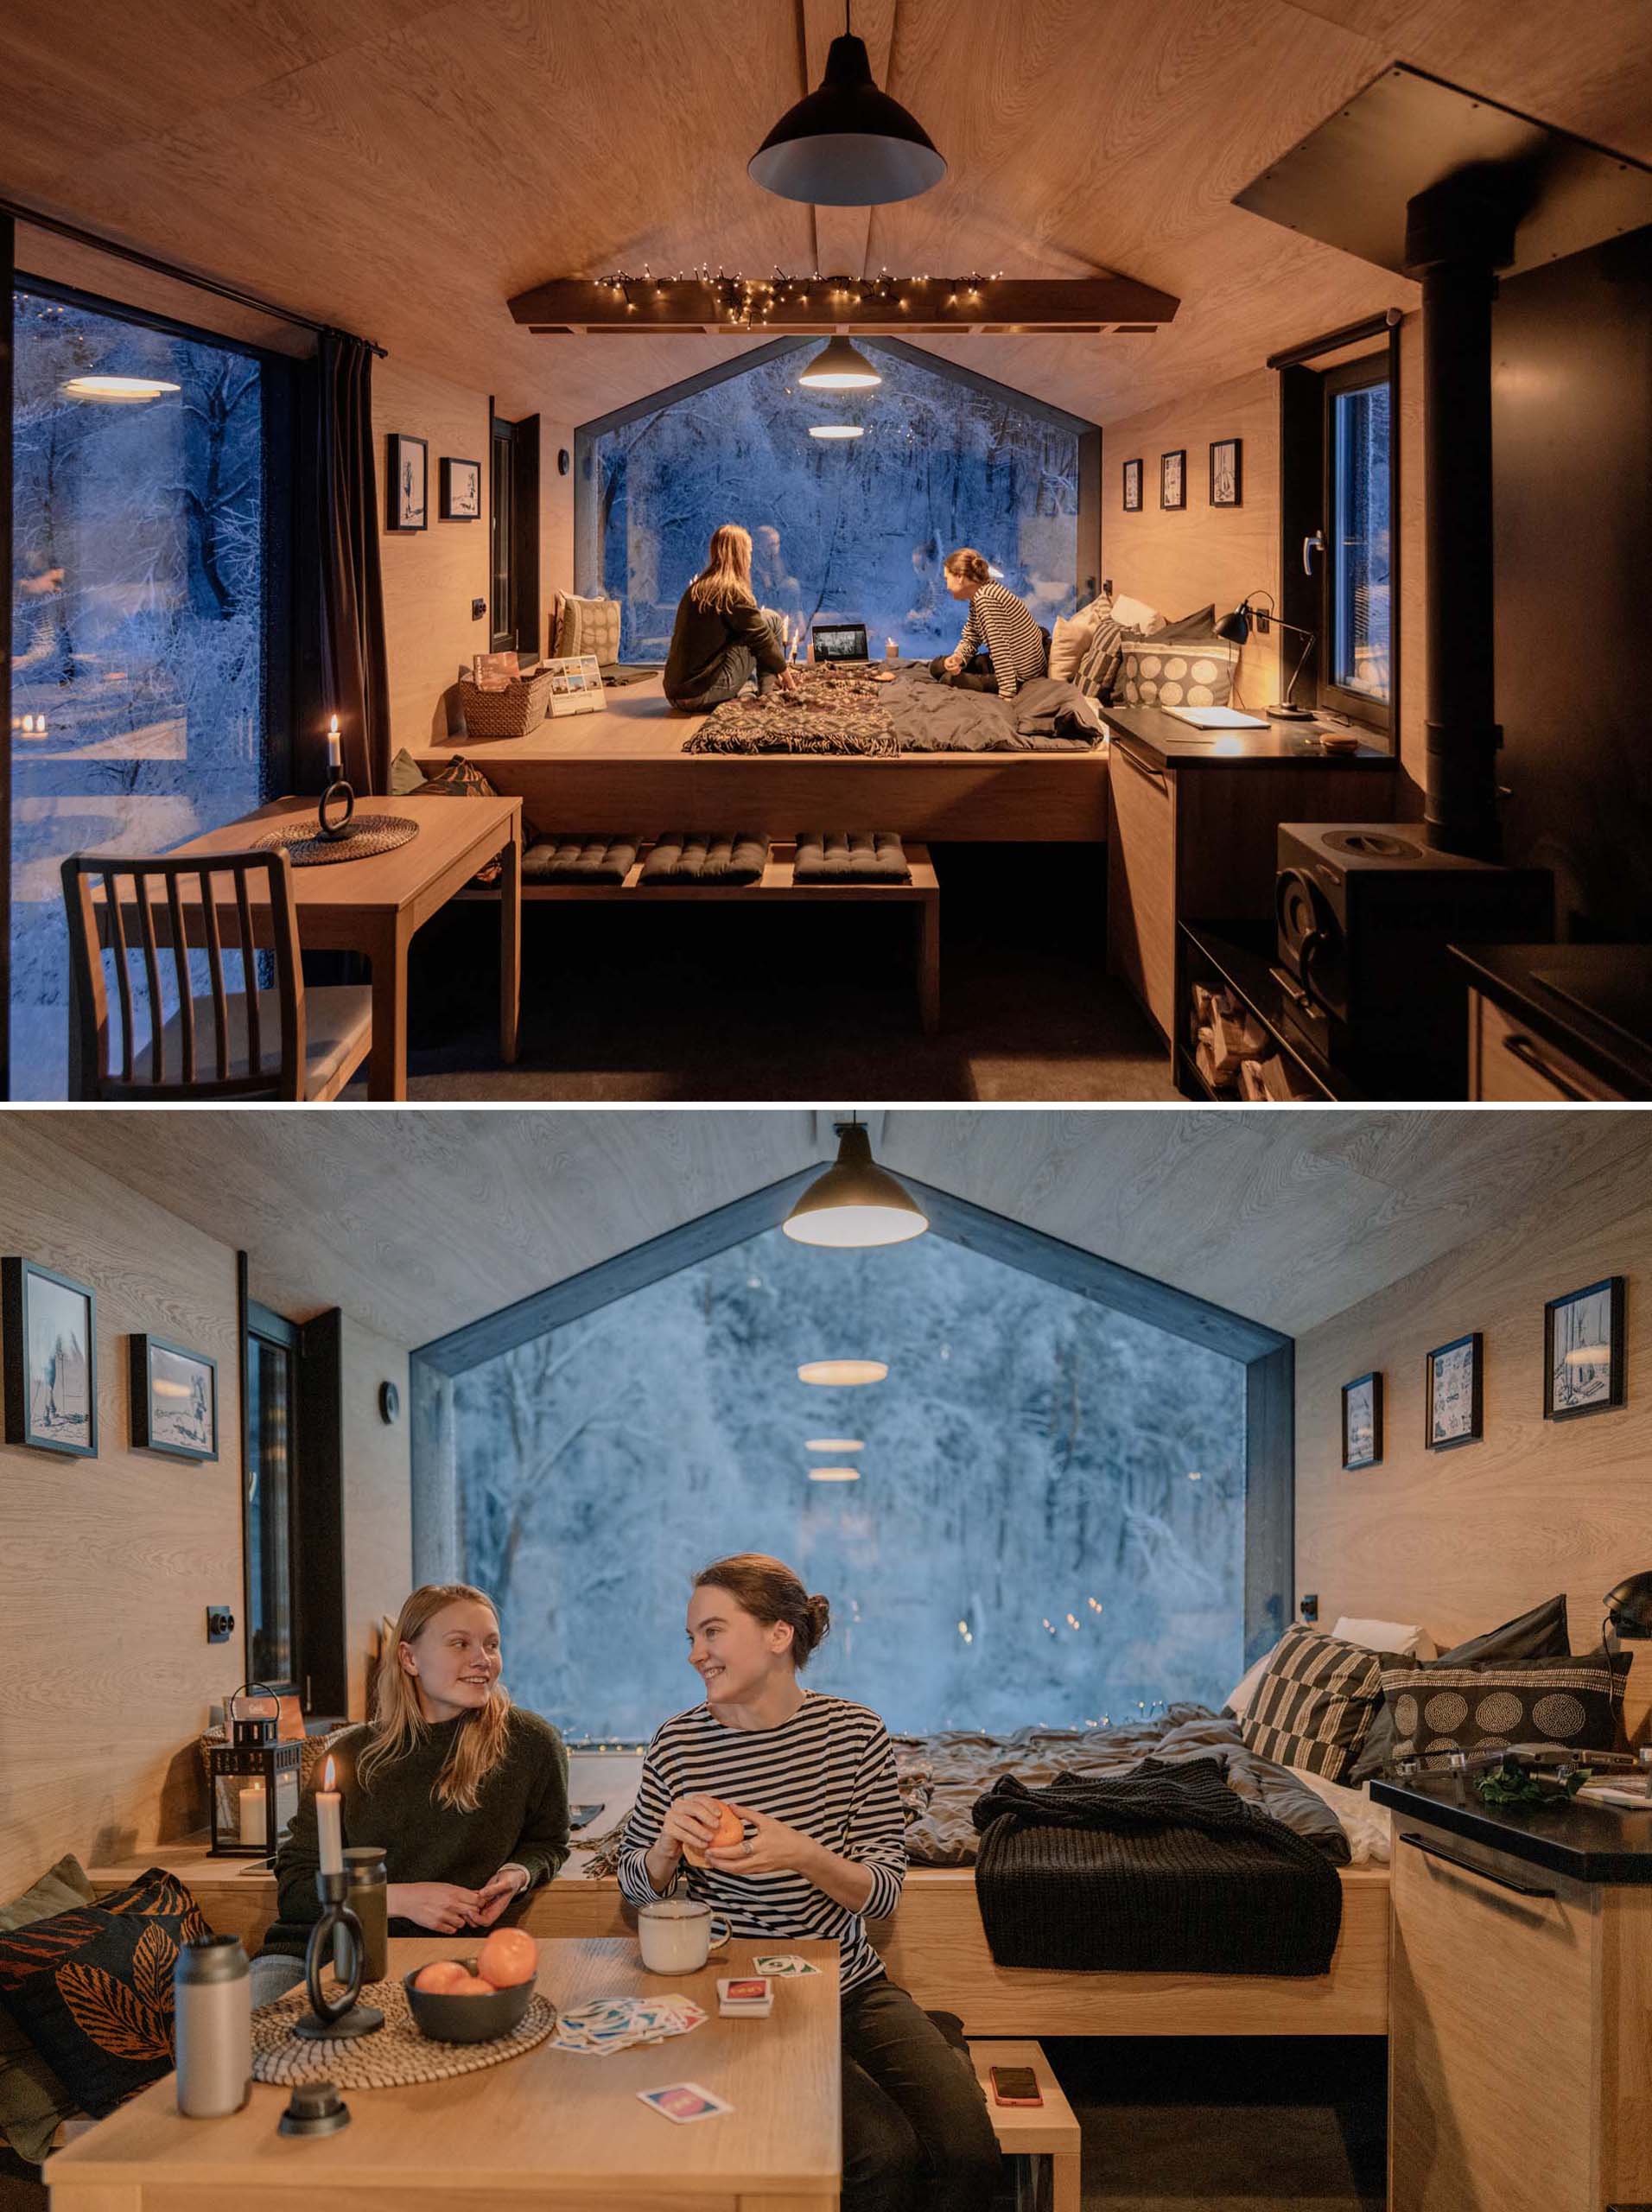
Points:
x=1187, y=672
x=1575, y=1703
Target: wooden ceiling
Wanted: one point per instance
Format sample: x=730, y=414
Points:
x=402, y=168
x=418, y=1223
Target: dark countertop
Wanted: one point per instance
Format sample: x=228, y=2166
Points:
x=1592, y=1001
x=1163, y=742
x=1589, y=1843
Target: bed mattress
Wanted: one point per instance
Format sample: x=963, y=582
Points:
x=855, y=712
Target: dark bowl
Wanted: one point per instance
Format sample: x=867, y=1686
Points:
x=465, y=2020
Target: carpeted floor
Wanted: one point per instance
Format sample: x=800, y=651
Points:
x=803, y=1003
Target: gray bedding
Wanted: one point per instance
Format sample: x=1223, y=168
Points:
x=1046, y=715
x=941, y=1776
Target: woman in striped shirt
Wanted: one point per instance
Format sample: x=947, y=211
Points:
x=998, y=621
x=812, y=1779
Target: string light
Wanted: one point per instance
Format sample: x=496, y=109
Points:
x=749, y=302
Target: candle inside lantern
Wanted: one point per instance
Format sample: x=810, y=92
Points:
x=253, y=1827
x=334, y=752
x=329, y=1822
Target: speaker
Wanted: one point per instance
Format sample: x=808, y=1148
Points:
x=1364, y=913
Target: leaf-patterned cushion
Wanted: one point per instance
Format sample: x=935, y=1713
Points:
x=92, y=1989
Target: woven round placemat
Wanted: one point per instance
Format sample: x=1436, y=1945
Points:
x=393, y=2056
x=369, y=834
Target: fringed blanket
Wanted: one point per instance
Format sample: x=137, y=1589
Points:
x=844, y=713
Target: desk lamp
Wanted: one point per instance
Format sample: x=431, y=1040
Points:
x=1236, y=627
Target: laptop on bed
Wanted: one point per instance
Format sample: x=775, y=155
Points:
x=839, y=640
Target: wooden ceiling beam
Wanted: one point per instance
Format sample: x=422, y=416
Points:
x=666, y=305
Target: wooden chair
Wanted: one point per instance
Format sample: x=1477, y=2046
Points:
x=245, y=1043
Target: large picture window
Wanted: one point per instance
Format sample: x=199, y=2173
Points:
x=141, y=667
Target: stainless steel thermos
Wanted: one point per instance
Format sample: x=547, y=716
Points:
x=214, y=2027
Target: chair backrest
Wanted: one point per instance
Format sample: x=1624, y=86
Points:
x=162, y=912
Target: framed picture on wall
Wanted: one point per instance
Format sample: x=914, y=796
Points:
x=1452, y=1398
x=461, y=489
x=1362, y=1422
x=51, y=1360
x=1172, y=478
x=1133, y=487
x=175, y=1399
x=407, y=483
x=1583, y=1350
x=1227, y=473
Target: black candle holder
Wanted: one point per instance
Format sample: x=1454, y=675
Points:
x=332, y=831
x=344, y=2017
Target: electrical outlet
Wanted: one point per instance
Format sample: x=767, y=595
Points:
x=478, y=608
x=221, y=1624
x=1311, y=1606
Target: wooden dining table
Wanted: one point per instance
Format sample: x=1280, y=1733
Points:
x=546, y=2128
x=377, y=904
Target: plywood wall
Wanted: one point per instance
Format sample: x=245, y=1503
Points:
x=377, y=1498
x=107, y=1565
x=1461, y=1540
x=1180, y=560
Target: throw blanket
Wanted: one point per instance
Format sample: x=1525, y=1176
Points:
x=1161, y=1870
x=839, y=712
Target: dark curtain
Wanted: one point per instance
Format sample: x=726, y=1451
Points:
x=342, y=666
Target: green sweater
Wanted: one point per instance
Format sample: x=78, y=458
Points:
x=522, y=1817
x=700, y=638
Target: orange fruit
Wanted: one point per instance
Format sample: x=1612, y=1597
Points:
x=473, y=1986
x=441, y=1978
x=731, y=1831
x=509, y=1956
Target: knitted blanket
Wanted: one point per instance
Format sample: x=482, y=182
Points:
x=1161, y=1870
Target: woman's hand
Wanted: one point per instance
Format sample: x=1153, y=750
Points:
x=775, y=1849
x=690, y=1819
x=953, y=663
x=790, y=682
x=498, y=1891
x=442, y=1907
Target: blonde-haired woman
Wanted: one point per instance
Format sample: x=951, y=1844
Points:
x=1013, y=648
x=721, y=638
x=467, y=1792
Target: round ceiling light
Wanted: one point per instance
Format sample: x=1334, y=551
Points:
x=119, y=389
x=855, y=1201
x=846, y=144
x=839, y=367
x=836, y=430
x=834, y=1474
x=841, y=1374
x=835, y=1444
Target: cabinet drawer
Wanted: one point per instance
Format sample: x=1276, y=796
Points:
x=1142, y=883
x=1492, y=2011
x=1508, y=1065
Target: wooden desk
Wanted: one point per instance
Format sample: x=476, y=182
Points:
x=550, y=2127
x=376, y=907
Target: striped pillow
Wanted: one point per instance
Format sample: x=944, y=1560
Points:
x=1316, y=1702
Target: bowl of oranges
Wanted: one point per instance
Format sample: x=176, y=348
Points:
x=474, y=1999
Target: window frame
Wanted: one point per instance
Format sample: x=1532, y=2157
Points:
x=1364, y=374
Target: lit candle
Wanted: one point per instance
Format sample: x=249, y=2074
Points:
x=329, y=1822
x=335, y=755
x=252, y=1827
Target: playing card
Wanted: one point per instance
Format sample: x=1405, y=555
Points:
x=684, y=2102
x=745, y=1989
x=784, y=1966
x=619, y=2023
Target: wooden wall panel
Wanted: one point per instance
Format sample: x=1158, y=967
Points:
x=1177, y=561
x=108, y=1565
x=1461, y=1540
x=378, y=1499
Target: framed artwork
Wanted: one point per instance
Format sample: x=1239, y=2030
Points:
x=1227, y=473
x=1362, y=1422
x=51, y=1360
x=1452, y=1400
x=1583, y=1350
x=175, y=1399
x=1172, y=478
x=407, y=483
x=461, y=489
x=1133, y=487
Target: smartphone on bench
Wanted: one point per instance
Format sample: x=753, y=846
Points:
x=1015, y=2085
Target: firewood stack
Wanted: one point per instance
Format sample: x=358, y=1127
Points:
x=1235, y=1054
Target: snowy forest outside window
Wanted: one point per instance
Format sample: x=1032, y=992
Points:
x=1048, y=1524
x=138, y=599
x=853, y=528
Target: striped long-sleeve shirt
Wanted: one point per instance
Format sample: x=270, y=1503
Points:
x=829, y=1770
x=1004, y=625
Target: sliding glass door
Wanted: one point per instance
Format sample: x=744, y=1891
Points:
x=141, y=590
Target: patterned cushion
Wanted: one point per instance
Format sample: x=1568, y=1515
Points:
x=33, y=2102
x=1315, y=1703
x=1190, y=672
x=1074, y=635
x=461, y=778
x=589, y=626
x=1441, y=1707
x=91, y=1988
x=1540, y=1633
x=1100, y=660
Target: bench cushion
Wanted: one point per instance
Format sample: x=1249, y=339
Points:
x=850, y=856
x=722, y=857
x=579, y=859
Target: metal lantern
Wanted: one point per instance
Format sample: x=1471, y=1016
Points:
x=254, y=1777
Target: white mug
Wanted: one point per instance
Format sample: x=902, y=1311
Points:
x=676, y=1934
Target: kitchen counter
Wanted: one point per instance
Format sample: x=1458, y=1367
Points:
x=1591, y=1002
x=1162, y=741
x=1587, y=1842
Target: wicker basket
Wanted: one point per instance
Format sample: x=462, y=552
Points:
x=510, y=713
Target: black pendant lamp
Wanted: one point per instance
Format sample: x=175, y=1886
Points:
x=839, y=367
x=846, y=144
x=855, y=1201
